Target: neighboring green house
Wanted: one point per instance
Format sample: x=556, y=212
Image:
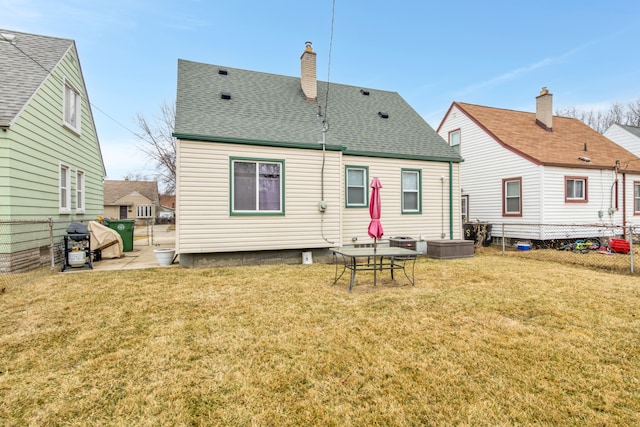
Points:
x=51, y=166
x=258, y=180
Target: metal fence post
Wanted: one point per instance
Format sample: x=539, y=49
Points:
x=631, y=247
x=503, y=245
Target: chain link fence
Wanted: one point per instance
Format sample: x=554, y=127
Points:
x=608, y=247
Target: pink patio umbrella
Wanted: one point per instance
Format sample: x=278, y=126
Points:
x=375, y=226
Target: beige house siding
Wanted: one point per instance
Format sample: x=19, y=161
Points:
x=432, y=223
x=131, y=201
x=205, y=225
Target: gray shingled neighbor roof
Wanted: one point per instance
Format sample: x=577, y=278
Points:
x=21, y=69
x=634, y=130
x=271, y=109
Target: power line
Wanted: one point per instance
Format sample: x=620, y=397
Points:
x=326, y=97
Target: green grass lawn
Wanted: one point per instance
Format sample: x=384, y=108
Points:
x=488, y=340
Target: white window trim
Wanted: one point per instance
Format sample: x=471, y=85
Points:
x=80, y=191
x=75, y=127
x=144, y=211
x=64, y=208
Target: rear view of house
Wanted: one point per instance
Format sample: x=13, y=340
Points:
x=51, y=166
x=537, y=168
x=269, y=166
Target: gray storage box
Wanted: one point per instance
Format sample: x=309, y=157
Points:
x=449, y=249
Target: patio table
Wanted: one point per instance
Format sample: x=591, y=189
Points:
x=385, y=258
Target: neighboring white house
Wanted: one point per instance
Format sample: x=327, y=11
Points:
x=269, y=166
x=625, y=136
x=536, y=168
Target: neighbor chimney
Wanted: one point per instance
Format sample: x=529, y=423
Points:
x=544, y=109
x=308, y=73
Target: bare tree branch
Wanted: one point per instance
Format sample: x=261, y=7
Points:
x=601, y=121
x=158, y=143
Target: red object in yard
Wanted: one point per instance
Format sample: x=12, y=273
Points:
x=619, y=246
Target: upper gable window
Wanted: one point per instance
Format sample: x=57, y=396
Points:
x=454, y=140
x=575, y=189
x=71, y=107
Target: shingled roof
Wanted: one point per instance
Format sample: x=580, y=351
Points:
x=564, y=146
x=270, y=109
x=115, y=190
x=25, y=60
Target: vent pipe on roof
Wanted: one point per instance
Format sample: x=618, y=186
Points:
x=383, y=115
x=544, y=110
x=308, y=73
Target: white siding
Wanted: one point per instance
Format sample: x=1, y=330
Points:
x=624, y=138
x=486, y=164
x=204, y=222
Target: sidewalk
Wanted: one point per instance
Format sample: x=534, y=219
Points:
x=142, y=255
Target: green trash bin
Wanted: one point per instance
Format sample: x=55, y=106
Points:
x=124, y=227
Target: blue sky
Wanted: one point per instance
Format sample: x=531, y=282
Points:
x=496, y=53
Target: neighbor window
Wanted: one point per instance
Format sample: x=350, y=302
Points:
x=79, y=191
x=575, y=189
x=144, y=211
x=257, y=186
x=411, y=191
x=512, y=197
x=356, y=183
x=454, y=140
x=71, y=107
x=636, y=198
x=64, y=184
x=464, y=208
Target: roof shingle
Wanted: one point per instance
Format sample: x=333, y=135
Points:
x=569, y=139
x=271, y=109
x=24, y=65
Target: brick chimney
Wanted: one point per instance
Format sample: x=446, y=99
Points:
x=544, y=110
x=308, y=73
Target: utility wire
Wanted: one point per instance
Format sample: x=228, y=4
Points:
x=326, y=97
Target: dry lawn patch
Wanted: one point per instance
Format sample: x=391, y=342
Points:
x=488, y=340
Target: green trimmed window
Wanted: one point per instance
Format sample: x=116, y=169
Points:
x=357, y=178
x=257, y=186
x=411, y=191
